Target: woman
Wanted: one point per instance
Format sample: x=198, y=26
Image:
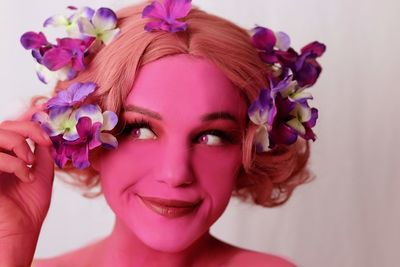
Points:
x=181, y=94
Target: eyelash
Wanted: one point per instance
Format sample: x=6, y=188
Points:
x=136, y=124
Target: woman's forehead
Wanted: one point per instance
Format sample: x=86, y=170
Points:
x=183, y=83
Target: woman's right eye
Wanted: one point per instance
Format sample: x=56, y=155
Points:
x=143, y=133
x=140, y=130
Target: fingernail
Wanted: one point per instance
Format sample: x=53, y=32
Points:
x=31, y=177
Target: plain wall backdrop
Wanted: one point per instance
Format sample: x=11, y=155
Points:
x=350, y=214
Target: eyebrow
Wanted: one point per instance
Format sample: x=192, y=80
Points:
x=222, y=115
x=144, y=111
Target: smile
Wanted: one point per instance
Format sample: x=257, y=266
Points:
x=169, y=208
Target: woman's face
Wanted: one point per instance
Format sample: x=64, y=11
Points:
x=172, y=175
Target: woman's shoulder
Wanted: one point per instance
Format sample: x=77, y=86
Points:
x=232, y=256
x=255, y=259
x=251, y=258
x=79, y=257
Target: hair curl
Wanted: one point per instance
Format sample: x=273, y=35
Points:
x=268, y=179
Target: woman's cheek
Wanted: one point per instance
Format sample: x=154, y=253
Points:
x=216, y=170
x=123, y=167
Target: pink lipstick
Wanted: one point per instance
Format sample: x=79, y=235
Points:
x=169, y=208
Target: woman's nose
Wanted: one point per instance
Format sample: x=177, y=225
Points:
x=175, y=168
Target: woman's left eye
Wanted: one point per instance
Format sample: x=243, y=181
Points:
x=214, y=138
x=211, y=140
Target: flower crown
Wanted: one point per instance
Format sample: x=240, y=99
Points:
x=86, y=30
x=281, y=111
x=74, y=126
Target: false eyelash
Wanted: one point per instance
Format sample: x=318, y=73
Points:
x=129, y=126
x=226, y=137
x=141, y=123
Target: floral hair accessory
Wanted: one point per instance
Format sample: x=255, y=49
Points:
x=165, y=15
x=86, y=30
x=76, y=127
x=282, y=111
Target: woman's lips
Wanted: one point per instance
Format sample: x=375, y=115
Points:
x=169, y=208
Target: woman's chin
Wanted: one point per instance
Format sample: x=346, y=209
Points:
x=169, y=243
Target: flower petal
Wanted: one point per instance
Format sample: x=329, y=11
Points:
x=261, y=140
x=95, y=136
x=264, y=39
x=85, y=12
x=296, y=125
x=33, y=40
x=56, y=21
x=104, y=19
x=80, y=91
x=108, y=36
x=153, y=25
x=110, y=119
x=91, y=111
x=84, y=127
x=80, y=157
x=86, y=27
x=316, y=48
x=108, y=141
x=71, y=134
x=59, y=153
x=282, y=134
x=178, y=8
x=44, y=74
x=56, y=58
x=176, y=26
x=40, y=116
x=282, y=41
x=155, y=10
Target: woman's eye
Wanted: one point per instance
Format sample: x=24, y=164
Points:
x=143, y=133
x=210, y=139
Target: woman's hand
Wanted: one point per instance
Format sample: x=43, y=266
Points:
x=26, y=181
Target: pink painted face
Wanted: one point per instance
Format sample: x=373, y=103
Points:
x=172, y=176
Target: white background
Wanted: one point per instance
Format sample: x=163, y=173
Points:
x=348, y=216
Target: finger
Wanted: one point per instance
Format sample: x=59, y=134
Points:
x=14, y=165
x=17, y=144
x=28, y=129
x=44, y=164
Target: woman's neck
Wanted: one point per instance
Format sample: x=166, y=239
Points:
x=123, y=248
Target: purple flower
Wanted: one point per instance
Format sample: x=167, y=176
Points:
x=90, y=137
x=67, y=51
x=307, y=69
x=46, y=76
x=304, y=67
x=102, y=25
x=77, y=151
x=74, y=95
x=166, y=15
x=70, y=23
x=33, y=40
x=282, y=114
x=280, y=132
x=268, y=43
x=75, y=132
x=262, y=110
x=292, y=120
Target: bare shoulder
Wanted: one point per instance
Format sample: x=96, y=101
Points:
x=255, y=259
x=77, y=258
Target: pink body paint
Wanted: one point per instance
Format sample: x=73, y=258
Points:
x=168, y=184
